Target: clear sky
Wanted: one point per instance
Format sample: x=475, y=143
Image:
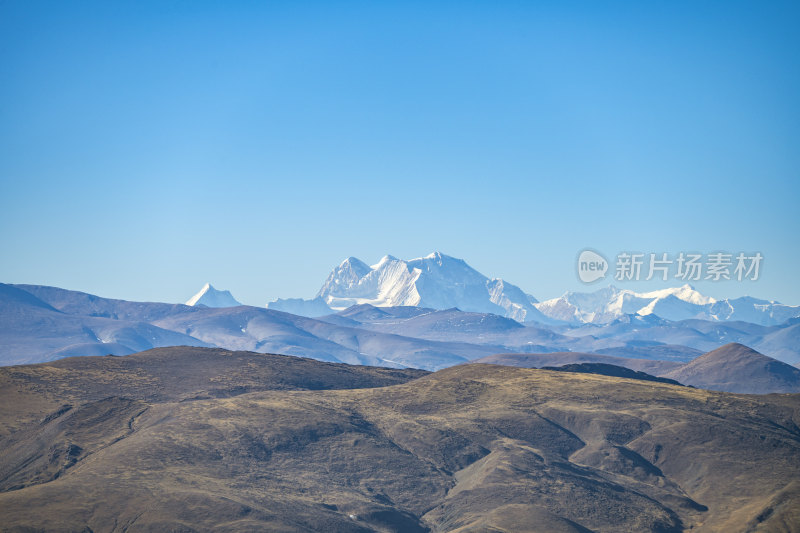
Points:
x=149, y=147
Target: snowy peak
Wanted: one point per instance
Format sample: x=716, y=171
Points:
x=356, y=265
x=436, y=281
x=677, y=303
x=211, y=297
x=384, y=259
x=345, y=277
x=685, y=293
x=439, y=281
x=607, y=304
x=389, y=282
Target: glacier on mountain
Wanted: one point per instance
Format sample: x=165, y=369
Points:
x=677, y=303
x=437, y=281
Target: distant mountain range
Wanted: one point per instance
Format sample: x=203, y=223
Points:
x=427, y=313
x=678, y=303
x=439, y=281
x=39, y=323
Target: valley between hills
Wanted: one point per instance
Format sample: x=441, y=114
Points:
x=199, y=439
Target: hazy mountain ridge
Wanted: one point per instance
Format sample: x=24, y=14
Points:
x=242, y=328
x=634, y=336
x=34, y=330
x=84, y=324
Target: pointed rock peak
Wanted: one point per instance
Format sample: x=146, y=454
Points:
x=439, y=256
x=351, y=261
x=208, y=296
x=356, y=265
x=385, y=259
x=440, y=259
x=688, y=293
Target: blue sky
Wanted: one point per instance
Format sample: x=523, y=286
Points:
x=149, y=147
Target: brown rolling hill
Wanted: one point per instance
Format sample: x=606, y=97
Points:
x=177, y=373
x=737, y=368
x=90, y=444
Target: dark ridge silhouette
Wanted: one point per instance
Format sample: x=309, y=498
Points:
x=609, y=370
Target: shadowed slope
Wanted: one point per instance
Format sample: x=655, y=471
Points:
x=538, y=360
x=609, y=370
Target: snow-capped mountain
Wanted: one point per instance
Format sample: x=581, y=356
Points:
x=753, y=310
x=437, y=281
x=679, y=303
x=211, y=297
